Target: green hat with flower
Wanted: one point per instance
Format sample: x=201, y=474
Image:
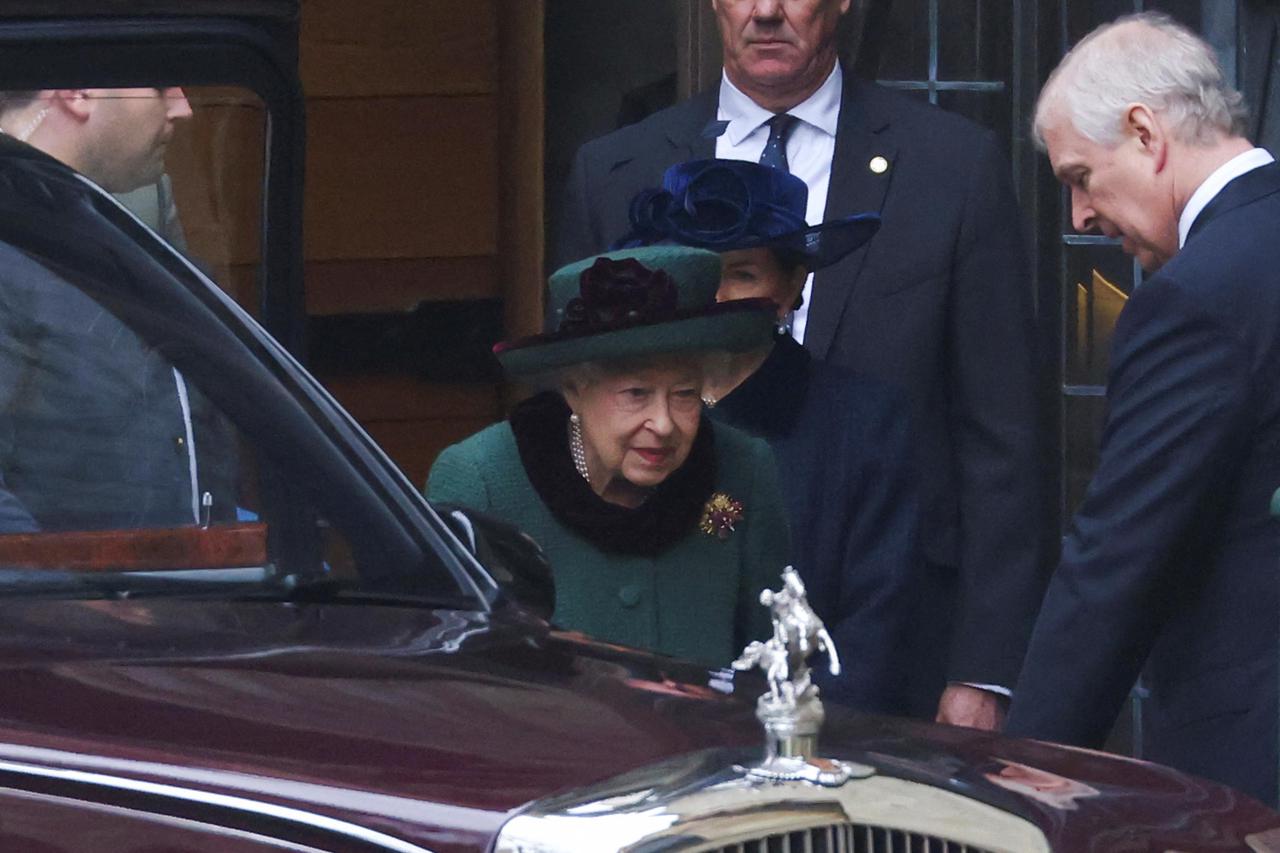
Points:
x=638, y=302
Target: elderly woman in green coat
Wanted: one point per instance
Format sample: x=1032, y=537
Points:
x=661, y=525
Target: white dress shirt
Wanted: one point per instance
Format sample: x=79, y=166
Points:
x=1226, y=173
x=810, y=147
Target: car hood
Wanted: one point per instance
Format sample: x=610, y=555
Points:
x=435, y=726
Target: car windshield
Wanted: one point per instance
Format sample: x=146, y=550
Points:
x=144, y=446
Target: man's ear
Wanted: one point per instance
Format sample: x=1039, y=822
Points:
x=1148, y=132
x=76, y=103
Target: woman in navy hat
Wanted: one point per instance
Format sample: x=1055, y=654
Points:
x=661, y=527
x=842, y=441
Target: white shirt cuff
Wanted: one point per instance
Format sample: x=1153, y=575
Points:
x=990, y=688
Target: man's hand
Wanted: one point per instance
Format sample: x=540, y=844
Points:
x=962, y=705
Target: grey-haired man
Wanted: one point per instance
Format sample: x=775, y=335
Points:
x=1170, y=565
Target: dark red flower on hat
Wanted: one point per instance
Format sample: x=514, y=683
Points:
x=618, y=293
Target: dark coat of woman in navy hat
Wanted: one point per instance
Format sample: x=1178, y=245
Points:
x=842, y=442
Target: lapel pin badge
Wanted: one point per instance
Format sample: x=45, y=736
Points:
x=878, y=164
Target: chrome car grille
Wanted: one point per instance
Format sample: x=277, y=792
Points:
x=706, y=802
x=850, y=838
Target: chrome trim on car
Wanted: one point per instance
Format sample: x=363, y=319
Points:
x=211, y=832
x=705, y=803
x=848, y=838
x=312, y=820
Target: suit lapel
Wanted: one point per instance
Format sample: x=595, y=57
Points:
x=676, y=140
x=687, y=136
x=854, y=188
x=636, y=157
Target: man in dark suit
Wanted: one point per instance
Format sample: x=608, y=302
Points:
x=938, y=303
x=97, y=429
x=1171, y=561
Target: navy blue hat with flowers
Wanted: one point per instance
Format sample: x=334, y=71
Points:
x=723, y=205
x=638, y=302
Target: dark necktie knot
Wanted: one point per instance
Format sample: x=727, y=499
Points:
x=775, y=149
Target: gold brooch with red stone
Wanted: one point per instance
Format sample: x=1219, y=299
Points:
x=720, y=515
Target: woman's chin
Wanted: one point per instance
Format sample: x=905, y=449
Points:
x=646, y=477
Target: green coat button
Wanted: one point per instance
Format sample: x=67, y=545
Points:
x=629, y=595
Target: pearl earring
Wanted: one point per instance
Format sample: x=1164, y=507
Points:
x=576, y=448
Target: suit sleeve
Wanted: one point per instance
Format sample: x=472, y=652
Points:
x=994, y=424
x=879, y=567
x=767, y=549
x=456, y=478
x=1178, y=395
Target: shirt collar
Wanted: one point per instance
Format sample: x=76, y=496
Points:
x=821, y=109
x=1214, y=184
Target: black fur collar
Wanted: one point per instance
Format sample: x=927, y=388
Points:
x=672, y=512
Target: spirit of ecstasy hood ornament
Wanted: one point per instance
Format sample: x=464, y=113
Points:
x=791, y=711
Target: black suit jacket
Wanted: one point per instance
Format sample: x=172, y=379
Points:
x=1172, y=558
x=938, y=303
x=92, y=429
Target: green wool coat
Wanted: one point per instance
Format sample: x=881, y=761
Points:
x=698, y=600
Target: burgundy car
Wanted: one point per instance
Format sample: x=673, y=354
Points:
x=305, y=655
